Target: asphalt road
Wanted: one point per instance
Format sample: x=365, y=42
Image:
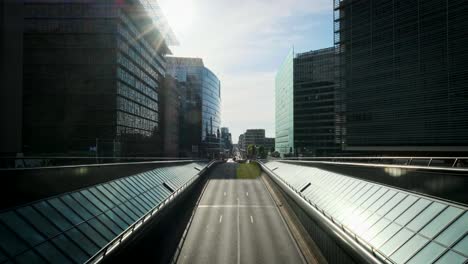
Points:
x=237, y=222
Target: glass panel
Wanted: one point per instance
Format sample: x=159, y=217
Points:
x=80, y=210
x=451, y=258
x=116, y=219
x=124, y=207
x=10, y=242
x=70, y=249
x=462, y=246
x=139, y=186
x=454, y=231
x=111, y=196
x=51, y=253
x=428, y=254
x=86, y=203
x=117, y=192
x=29, y=257
x=128, y=187
x=360, y=193
x=81, y=240
x=373, y=198
x=110, y=224
x=385, y=235
x=92, y=234
x=38, y=221
x=396, y=241
x=408, y=249
x=94, y=200
x=66, y=211
x=104, y=231
x=143, y=179
x=375, y=229
x=21, y=228
x=143, y=201
x=383, y=199
x=427, y=215
x=401, y=207
x=438, y=223
x=102, y=197
x=414, y=210
x=391, y=203
x=125, y=218
x=121, y=191
x=50, y=213
x=366, y=196
x=136, y=207
x=148, y=200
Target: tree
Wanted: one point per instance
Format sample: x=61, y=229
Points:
x=261, y=151
x=251, y=151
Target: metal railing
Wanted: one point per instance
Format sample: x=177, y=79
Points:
x=444, y=162
x=52, y=161
x=113, y=244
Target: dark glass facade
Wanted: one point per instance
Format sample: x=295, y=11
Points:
x=92, y=74
x=200, y=122
x=404, y=71
x=314, y=103
x=307, y=116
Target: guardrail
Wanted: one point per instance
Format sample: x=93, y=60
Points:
x=117, y=241
x=50, y=161
x=443, y=182
x=445, y=162
x=22, y=185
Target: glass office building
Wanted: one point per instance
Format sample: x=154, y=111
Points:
x=314, y=103
x=405, y=74
x=284, y=107
x=92, y=72
x=200, y=107
x=306, y=104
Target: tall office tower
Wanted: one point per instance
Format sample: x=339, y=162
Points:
x=306, y=104
x=404, y=68
x=11, y=76
x=314, y=103
x=284, y=106
x=92, y=74
x=241, y=143
x=170, y=105
x=201, y=100
x=226, y=139
x=254, y=137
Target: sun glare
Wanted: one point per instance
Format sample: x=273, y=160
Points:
x=179, y=13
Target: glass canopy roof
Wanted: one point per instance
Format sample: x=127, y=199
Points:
x=72, y=227
x=399, y=226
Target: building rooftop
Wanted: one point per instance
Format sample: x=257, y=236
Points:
x=185, y=61
x=160, y=21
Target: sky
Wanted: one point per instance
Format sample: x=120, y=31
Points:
x=244, y=42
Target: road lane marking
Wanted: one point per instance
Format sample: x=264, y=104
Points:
x=247, y=193
x=224, y=193
x=238, y=233
x=251, y=219
x=220, y=218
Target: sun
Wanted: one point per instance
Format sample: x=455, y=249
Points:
x=179, y=13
